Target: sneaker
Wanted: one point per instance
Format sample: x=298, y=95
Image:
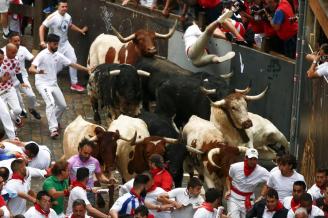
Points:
x=19, y=122
x=226, y=57
x=5, y=36
x=54, y=134
x=35, y=114
x=77, y=87
x=227, y=14
x=23, y=114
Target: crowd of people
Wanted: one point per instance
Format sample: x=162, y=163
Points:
x=284, y=192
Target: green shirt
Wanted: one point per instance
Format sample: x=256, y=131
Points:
x=53, y=183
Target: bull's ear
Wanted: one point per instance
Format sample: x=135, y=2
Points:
x=99, y=131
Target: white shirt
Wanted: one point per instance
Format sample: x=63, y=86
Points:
x=246, y=183
x=283, y=184
x=191, y=35
x=287, y=202
x=76, y=193
x=32, y=212
x=117, y=206
x=22, y=55
x=43, y=158
x=203, y=213
x=267, y=213
x=6, y=213
x=322, y=69
x=51, y=63
x=16, y=205
x=85, y=216
x=58, y=25
x=190, y=204
x=316, y=211
x=125, y=188
x=152, y=198
x=315, y=192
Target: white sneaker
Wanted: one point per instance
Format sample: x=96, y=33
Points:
x=225, y=57
x=227, y=14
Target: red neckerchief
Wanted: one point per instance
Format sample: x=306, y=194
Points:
x=2, y=201
x=155, y=171
x=248, y=170
x=293, y=203
x=40, y=210
x=17, y=176
x=207, y=206
x=78, y=184
x=133, y=192
x=278, y=207
x=152, y=188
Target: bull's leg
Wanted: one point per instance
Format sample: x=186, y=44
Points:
x=94, y=104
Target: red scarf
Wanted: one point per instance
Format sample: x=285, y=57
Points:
x=152, y=188
x=17, y=176
x=40, y=210
x=278, y=207
x=133, y=192
x=248, y=170
x=2, y=201
x=78, y=184
x=293, y=203
x=207, y=206
x=155, y=171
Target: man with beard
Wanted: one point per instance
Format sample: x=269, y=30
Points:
x=41, y=208
x=306, y=202
x=79, y=191
x=46, y=65
x=317, y=189
x=127, y=204
x=84, y=159
x=17, y=184
x=299, y=188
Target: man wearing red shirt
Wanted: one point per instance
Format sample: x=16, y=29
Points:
x=162, y=178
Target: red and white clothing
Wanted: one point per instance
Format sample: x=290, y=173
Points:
x=289, y=203
x=162, y=178
x=3, y=207
x=71, y=216
x=33, y=212
x=78, y=192
x=283, y=184
x=190, y=203
x=207, y=211
x=151, y=197
x=315, y=211
x=315, y=192
x=242, y=187
x=6, y=120
x=126, y=187
x=191, y=35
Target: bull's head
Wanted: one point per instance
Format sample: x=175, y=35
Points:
x=145, y=40
x=235, y=105
x=107, y=145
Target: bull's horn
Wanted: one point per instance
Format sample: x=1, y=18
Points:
x=256, y=97
x=143, y=73
x=242, y=149
x=207, y=91
x=133, y=139
x=114, y=72
x=129, y=140
x=194, y=150
x=227, y=75
x=170, y=140
x=169, y=34
x=243, y=91
x=218, y=103
x=210, y=156
x=121, y=38
x=93, y=138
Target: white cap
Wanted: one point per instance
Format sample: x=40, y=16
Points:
x=252, y=152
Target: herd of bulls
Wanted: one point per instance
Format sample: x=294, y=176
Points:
x=199, y=121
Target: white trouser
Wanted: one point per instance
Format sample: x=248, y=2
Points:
x=236, y=208
x=10, y=98
x=68, y=51
x=55, y=104
x=31, y=99
x=6, y=120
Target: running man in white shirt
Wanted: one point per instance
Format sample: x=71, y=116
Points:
x=186, y=200
x=317, y=190
x=243, y=178
x=41, y=208
x=283, y=179
x=58, y=23
x=319, y=66
x=24, y=55
x=210, y=208
x=46, y=66
x=196, y=42
x=306, y=202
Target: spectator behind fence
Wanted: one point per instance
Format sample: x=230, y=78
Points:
x=317, y=190
x=299, y=188
x=319, y=66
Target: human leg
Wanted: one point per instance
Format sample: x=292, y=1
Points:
x=4, y=6
x=233, y=207
x=31, y=99
x=6, y=120
x=59, y=102
x=13, y=103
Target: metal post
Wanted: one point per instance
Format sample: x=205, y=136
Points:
x=295, y=118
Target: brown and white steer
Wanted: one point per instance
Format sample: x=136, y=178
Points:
x=208, y=153
x=133, y=158
x=106, y=141
x=117, y=49
x=243, y=128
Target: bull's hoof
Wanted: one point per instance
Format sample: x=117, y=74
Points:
x=96, y=118
x=100, y=201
